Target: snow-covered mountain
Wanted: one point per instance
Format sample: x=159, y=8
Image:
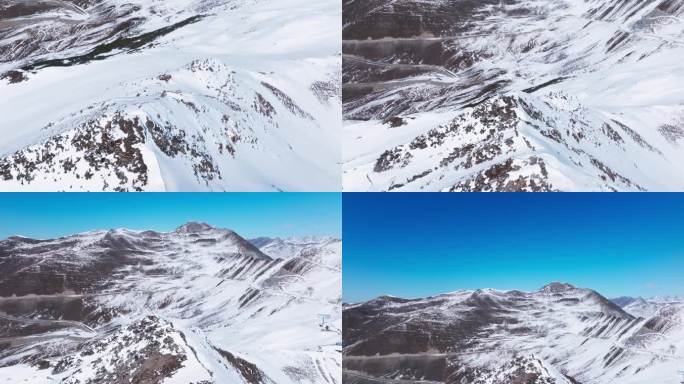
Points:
x=196, y=305
x=294, y=240
x=515, y=95
x=649, y=307
x=170, y=95
x=284, y=248
x=558, y=334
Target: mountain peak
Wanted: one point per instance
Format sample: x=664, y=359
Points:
x=556, y=287
x=388, y=300
x=194, y=227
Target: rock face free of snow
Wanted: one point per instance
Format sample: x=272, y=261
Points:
x=218, y=95
x=558, y=334
x=515, y=95
x=196, y=305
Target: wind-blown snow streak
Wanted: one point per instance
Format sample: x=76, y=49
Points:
x=175, y=95
x=532, y=95
x=197, y=305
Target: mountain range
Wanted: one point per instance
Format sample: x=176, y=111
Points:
x=189, y=95
x=646, y=307
x=558, y=334
x=196, y=305
x=513, y=95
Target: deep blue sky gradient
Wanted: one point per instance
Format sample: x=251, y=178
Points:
x=49, y=215
x=419, y=244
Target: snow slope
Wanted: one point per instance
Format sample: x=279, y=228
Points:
x=218, y=95
x=558, y=334
x=649, y=307
x=197, y=305
x=288, y=247
x=457, y=95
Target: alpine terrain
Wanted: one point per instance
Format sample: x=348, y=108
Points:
x=559, y=334
x=196, y=305
x=513, y=95
x=138, y=95
x=647, y=307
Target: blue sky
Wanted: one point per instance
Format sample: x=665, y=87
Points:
x=48, y=215
x=418, y=244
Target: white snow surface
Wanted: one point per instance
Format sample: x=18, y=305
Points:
x=242, y=96
x=649, y=307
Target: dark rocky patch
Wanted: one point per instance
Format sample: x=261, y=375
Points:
x=326, y=90
x=392, y=159
x=251, y=373
x=672, y=133
x=288, y=102
x=14, y=77
x=263, y=106
x=395, y=122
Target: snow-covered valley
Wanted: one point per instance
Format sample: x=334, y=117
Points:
x=515, y=95
x=559, y=334
x=209, y=95
x=196, y=305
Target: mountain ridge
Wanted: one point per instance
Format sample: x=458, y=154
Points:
x=483, y=96
x=198, y=304
x=182, y=95
x=562, y=333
